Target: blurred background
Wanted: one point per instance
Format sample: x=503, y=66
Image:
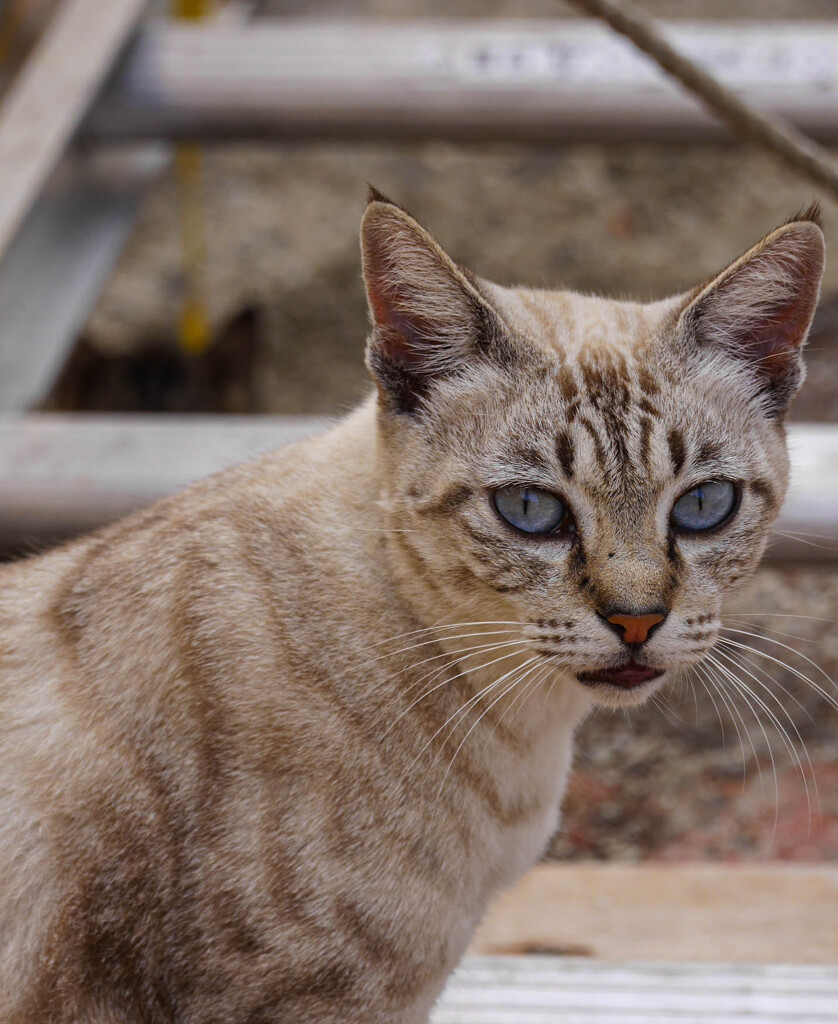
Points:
x=238, y=290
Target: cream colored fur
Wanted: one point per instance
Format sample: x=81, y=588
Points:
x=249, y=767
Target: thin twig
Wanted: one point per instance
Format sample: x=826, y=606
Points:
x=773, y=133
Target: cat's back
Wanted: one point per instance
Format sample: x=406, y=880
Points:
x=264, y=528
x=101, y=710
x=118, y=631
x=118, y=596
x=140, y=669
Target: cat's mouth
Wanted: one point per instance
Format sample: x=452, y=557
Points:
x=627, y=676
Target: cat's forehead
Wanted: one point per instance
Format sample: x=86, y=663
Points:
x=613, y=407
x=575, y=324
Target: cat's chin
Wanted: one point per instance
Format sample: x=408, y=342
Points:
x=627, y=684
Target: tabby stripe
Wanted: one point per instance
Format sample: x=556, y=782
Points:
x=764, y=490
x=449, y=502
x=646, y=428
x=677, y=449
x=566, y=453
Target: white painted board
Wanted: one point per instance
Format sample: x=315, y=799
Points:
x=544, y=80
x=553, y=990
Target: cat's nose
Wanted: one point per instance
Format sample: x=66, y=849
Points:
x=635, y=629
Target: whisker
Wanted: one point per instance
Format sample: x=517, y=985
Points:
x=782, y=730
x=778, y=661
x=788, y=615
x=695, y=702
x=777, y=632
x=534, y=675
x=453, y=656
x=439, y=626
x=532, y=685
x=712, y=698
x=742, y=658
x=459, y=675
x=707, y=681
x=508, y=689
x=800, y=538
x=463, y=710
x=666, y=709
x=806, y=533
x=779, y=643
x=717, y=682
x=746, y=693
x=461, y=654
x=436, y=640
x=552, y=665
x=527, y=692
x=721, y=689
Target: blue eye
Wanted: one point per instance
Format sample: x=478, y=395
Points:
x=704, y=506
x=530, y=509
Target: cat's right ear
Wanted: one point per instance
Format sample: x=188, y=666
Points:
x=428, y=319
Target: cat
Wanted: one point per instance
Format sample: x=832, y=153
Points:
x=269, y=747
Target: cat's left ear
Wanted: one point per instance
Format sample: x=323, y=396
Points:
x=428, y=318
x=758, y=311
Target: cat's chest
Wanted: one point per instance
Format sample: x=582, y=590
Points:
x=485, y=835
x=490, y=802
x=533, y=793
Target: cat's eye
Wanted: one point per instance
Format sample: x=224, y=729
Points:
x=530, y=509
x=705, y=506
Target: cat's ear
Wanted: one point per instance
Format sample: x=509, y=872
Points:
x=428, y=318
x=758, y=311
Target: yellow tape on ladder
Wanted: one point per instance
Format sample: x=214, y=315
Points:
x=192, y=9
x=194, y=318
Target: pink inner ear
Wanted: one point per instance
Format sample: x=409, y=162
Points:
x=387, y=300
x=400, y=334
x=380, y=308
x=774, y=342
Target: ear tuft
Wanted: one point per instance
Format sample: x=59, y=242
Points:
x=758, y=311
x=375, y=196
x=813, y=214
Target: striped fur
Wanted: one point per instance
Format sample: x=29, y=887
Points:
x=231, y=788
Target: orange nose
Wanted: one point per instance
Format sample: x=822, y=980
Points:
x=636, y=627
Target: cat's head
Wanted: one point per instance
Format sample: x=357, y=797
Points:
x=601, y=472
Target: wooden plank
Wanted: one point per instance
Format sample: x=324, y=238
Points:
x=762, y=914
x=60, y=474
x=536, y=81
x=51, y=95
x=548, y=990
